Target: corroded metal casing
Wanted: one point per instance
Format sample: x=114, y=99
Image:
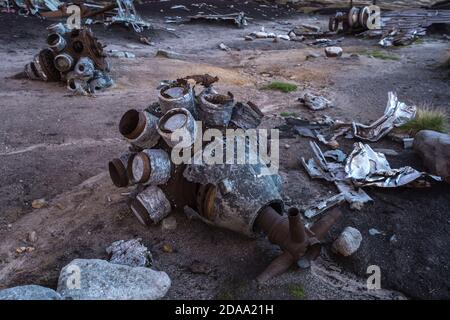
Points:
x=139, y=127
x=233, y=195
x=181, y=121
x=215, y=109
x=56, y=42
x=84, y=68
x=63, y=62
x=150, y=206
x=150, y=167
x=177, y=95
x=118, y=170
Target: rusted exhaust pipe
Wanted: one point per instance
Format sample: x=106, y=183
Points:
x=180, y=120
x=216, y=109
x=321, y=227
x=296, y=227
x=139, y=128
x=178, y=94
x=56, y=42
x=297, y=242
x=63, y=62
x=150, y=206
x=151, y=166
x=118, y=170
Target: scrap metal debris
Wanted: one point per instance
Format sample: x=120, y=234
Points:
x=74, y=56
x=239, y=19
x=327, y=130
x=395, y=115
x=366, y=167
x=363, y=167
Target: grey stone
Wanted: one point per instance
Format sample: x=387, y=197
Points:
x=333, y=52
x=434, y=149
x=97, y=279
x=169, y=223
x=168, y=54
x=130, y=253
x=348, y=242
x=29, y=292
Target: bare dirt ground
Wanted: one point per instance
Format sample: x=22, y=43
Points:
x=56, y=146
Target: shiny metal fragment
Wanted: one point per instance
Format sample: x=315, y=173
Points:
x=139, y=127
x=369, y=168
x=150, y=206
x=396, y=114
x=323, y=205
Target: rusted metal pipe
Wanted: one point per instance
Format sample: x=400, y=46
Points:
x=280, y=233
x=139, y=128
x=296, y=227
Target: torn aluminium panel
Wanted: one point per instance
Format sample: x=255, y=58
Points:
x=334, y=171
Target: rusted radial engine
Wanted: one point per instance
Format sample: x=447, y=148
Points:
x=74, y=56
x=239, y=197
x=355, y=19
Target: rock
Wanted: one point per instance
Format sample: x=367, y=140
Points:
x=374, y=232
x=434, y=149
x=311, y=27
x=312, y=55
x=248, y=38
x=224, y=47
x=101, y=280
x=261, y=34
x=169, y=223
x=39, y=203
x=168, y=54
x=200, y=267
x=24, y=249
x=32, y=237
x=348, y=242
x=29, y=292
x=287, y=146
x=130, y=253
x=271, y=35
x=121, y=54
x=284, y=37
x=333, y=52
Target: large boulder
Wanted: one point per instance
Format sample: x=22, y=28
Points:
x=434, y=149
x=29, y=292
x=95, y=279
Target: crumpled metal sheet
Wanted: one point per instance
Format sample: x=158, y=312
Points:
x=396, y=114
x=320, y=168
x=369, y=168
